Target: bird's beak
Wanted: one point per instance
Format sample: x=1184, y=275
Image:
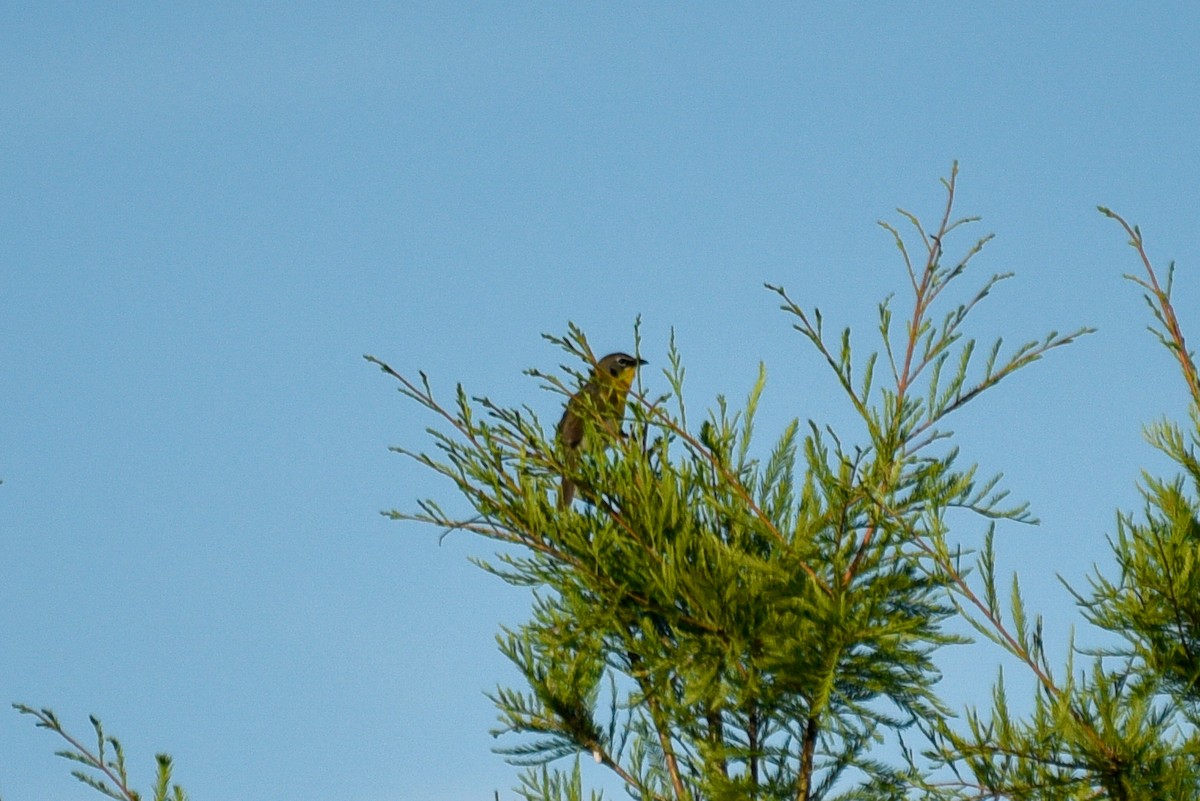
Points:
x=641, y=362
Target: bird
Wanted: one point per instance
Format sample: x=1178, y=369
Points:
x=601, y=399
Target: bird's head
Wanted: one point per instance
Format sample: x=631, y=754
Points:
x=618, y=368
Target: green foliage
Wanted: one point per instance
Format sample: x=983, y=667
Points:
x=1125, y=728
x=1154, y=605
x=718, y=625
x=104, y=766
x=722, y=619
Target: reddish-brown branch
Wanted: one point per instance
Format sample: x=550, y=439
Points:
x=89, y=759
x=1167, y=309
x=807, y=758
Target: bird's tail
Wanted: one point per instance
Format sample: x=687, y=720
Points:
x=566, y=493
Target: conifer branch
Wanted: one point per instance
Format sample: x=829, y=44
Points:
x=114, y=778
x=770, y=618
x=1159, y=300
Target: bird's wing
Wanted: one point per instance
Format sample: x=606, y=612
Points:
x=570, y=428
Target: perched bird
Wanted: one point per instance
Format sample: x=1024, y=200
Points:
x=598, y=405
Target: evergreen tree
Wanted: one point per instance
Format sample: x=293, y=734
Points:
x=716, y=624
x=1126, y=726
x=716, y=620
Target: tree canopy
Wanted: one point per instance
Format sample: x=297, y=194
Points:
x=719, y=618
x=726, y=620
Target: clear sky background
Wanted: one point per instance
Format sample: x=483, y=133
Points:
x=210, y=211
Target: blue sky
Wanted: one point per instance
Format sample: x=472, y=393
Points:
x=208, y=212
